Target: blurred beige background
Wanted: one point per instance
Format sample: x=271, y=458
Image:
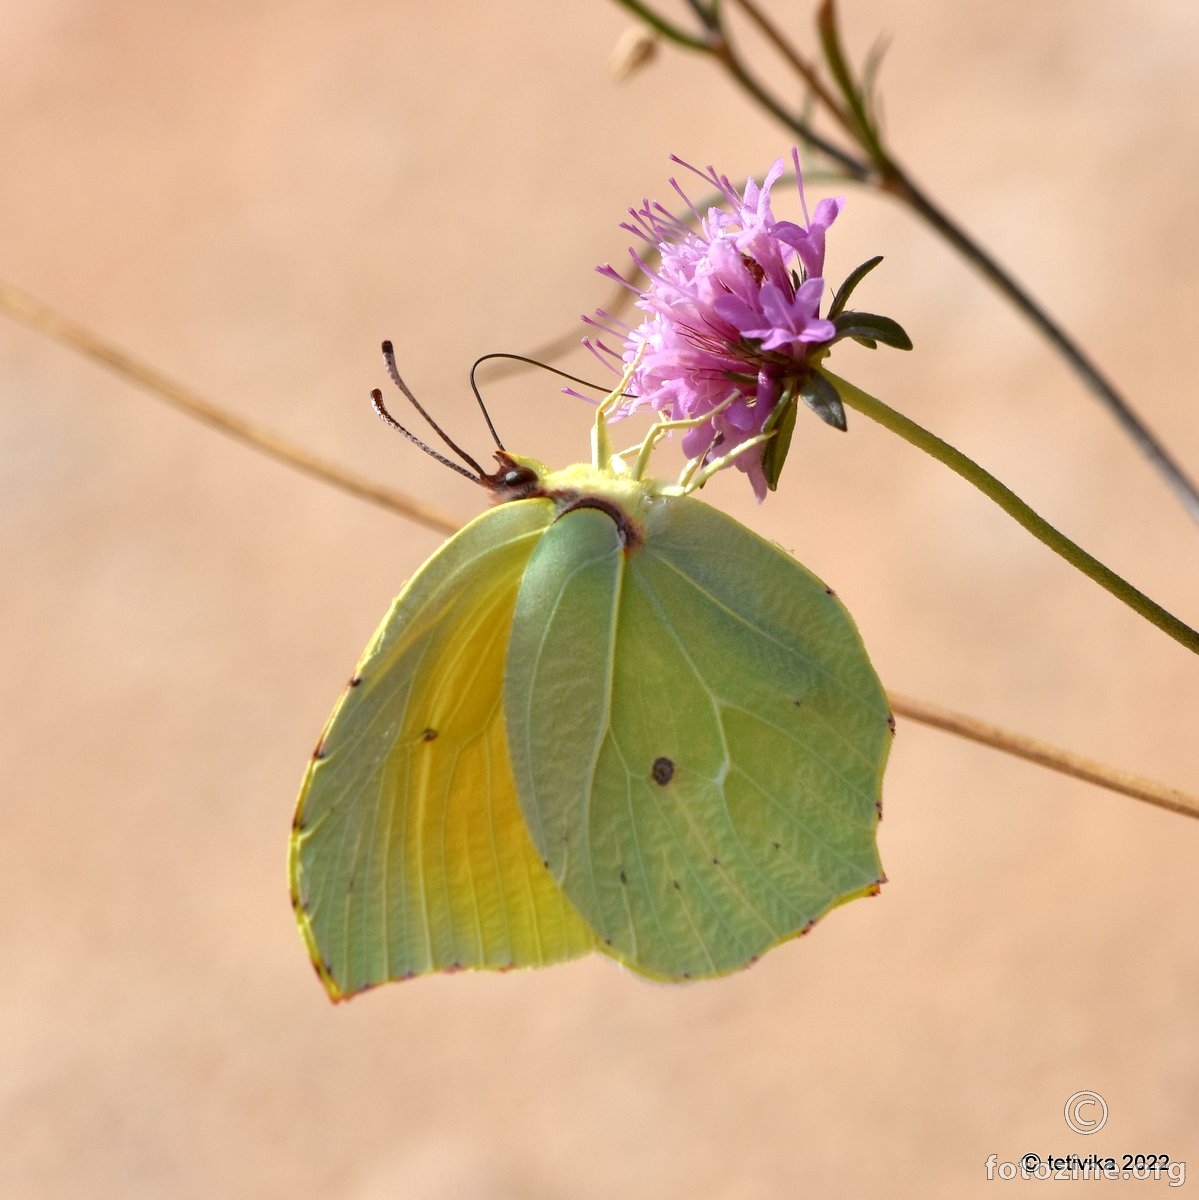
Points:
x=252, y=196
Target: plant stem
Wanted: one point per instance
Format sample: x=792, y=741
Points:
x=1016, y=508
x=802, y=68
x=722, y=50
x=660, y=25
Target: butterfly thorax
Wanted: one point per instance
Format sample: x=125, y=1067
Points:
x=610, y=490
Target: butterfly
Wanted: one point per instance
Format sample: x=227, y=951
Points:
x=604, y=716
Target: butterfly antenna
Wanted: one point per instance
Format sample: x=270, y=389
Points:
x=379, y=407
x=393, y=371
x=474, y=387
x=532, y=362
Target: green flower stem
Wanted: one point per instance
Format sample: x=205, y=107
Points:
x=1011, y=504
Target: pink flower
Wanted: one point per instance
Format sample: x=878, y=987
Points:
x=732, y=311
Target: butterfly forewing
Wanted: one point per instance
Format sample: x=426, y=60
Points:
x=697, y=735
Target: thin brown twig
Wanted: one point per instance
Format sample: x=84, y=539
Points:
x=800, y=65
x=1045, y=755
x=721, y=49
x=41, y=317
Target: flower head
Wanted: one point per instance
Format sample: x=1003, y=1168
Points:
x=732, y=315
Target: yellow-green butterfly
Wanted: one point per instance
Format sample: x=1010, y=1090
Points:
x=603, y=716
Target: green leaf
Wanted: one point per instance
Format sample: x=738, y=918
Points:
x=851, y=91
x=775, y=452
x=870, y=73
x=821, y=397
x=869, y=328
x=851, y=281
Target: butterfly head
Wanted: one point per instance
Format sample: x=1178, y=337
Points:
x=515, y=478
